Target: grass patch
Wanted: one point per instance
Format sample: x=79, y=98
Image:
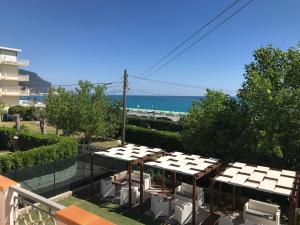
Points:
x=106, y=144
x=110, y=211
x=33, y=126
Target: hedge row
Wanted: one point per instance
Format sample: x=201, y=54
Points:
x=152, y=123
x=27, y=140
x=6, y=136
x=46, y=148
x=167, y=140
x=40, y=155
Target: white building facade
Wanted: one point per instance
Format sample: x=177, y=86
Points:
x=10, y=90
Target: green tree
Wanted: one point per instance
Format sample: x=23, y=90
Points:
x=213, y=126
x=94, y=111
x=84, y=110
x=2, y=105
x=271, y=96
x=59, y=110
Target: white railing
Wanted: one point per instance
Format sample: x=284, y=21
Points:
x=19, y=206
x=24, y=77
x=18, y=62
x=25, y=92
x=14, y=77
x=14, y=91
x=35, y=208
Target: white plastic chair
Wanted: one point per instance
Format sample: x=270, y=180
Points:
x=159, y=206
x=124, y=195
x=107, y=188
x=183, y=212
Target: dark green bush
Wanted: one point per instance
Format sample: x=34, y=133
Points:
x=6, y=136
x=152, y=123
x=28, y=140
x=167, y=140
x=28, y=113
x=64, y=148
x=35, y=149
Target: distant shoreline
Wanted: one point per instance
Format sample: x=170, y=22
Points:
x=174, y=116
x=146, y=104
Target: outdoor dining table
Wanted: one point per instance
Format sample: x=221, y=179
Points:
x=119, y=182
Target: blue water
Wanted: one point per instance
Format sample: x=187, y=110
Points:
x=165, y=103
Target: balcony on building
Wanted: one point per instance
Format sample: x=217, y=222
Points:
x=14, y=91
x=14, y=77
x=14, y=62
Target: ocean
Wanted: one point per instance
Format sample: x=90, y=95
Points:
x=159, y=103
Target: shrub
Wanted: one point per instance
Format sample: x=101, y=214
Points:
x=26, y=112
x=158, y=124
x=6, y=136
x=28, y=140
x=64, y=148
x=35, y=149
x=167, y=140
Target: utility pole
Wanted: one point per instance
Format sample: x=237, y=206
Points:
x=125, y=86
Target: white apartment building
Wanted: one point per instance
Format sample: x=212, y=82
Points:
x=10, y=90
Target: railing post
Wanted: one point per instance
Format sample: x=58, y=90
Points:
x=7, y=198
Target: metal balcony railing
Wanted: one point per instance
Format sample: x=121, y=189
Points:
x=18, y=91
x=14, y=77
x=18, y=62
x=30, y=208
x=24, y=77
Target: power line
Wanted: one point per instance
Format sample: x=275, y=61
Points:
x=161, y=96
x=201, y=38
x=95, y=83
x=179, y=84
x=190, y=37
x=114, y=86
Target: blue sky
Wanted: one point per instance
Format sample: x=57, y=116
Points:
x=67, y=40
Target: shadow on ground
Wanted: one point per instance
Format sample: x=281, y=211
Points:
x=145, y=217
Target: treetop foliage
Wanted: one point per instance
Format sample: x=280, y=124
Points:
x=85, y=109
x=263, y=124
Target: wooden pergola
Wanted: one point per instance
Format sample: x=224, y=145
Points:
x=133, y=155
x=265, y=179
x=192, y=165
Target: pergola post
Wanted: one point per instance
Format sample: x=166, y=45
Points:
x=295, y=213
x=293, y=201
x=296, y=206
x=211, y=196
x=141, y=185
x=292, y=209
x=129, y=183
x=220, y=193
x=233, y=197
x=174, y=181
x=296, y=193
x=163, y=177
x=92, y=173
x=194, y=201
